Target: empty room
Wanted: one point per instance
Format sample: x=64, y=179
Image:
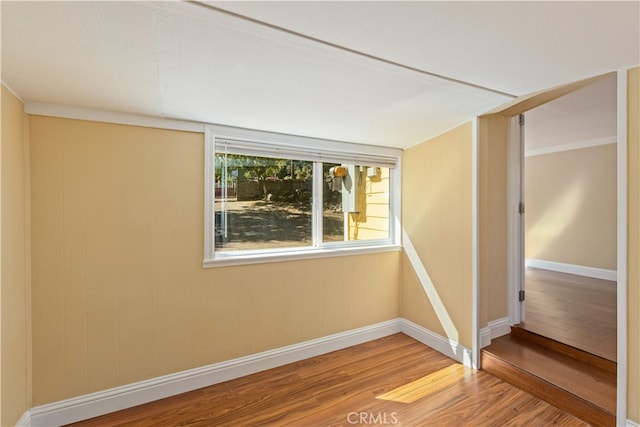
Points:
x=309, y=213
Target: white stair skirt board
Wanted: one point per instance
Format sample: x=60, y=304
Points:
x=494, y=329
x=107, y=401
x=579, y=270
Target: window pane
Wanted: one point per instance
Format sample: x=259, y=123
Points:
x=262, y=203
x=332, y=215
x=355, y=202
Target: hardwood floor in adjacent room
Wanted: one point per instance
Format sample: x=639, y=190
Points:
x=390, y=381
x=575, y=310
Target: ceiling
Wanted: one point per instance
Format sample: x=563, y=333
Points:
x=586, y=116
x=384, y=73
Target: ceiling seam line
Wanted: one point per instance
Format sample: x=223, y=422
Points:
x=347, y=49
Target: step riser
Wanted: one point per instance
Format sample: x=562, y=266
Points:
x=546, y=391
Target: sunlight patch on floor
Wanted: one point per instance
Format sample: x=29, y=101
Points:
x=427, y=385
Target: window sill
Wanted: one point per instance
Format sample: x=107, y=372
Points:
x=298, y=255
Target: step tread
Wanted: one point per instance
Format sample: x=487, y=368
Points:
x=592, y=359
x=581, y=379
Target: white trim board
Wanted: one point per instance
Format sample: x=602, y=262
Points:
x=572, y=146
x=515, y=220
x=104, y=116
x=475, y=245
x=449, y=348
x=107, y=401
x=11, y=91
x=493, y=330
x=622, y=111
x=25, y=420
x=580, y=270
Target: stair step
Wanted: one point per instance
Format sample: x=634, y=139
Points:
x=576, y=386
x=576, y=353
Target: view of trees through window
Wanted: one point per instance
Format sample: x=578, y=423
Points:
x=266, y=203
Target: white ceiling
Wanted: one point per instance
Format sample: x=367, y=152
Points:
x=586, y=116
x=368, y=72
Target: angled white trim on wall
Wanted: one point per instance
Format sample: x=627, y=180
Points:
x=580, y=270
x=432, y=293
x=573, y=146
x=106, y=401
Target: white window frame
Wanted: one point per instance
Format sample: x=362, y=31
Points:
x=321, y=150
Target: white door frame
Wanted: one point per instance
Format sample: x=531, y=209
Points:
x=621, y=406
x=515, y=242
x=516, y=238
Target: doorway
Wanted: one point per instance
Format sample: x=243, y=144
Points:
x=569, y=228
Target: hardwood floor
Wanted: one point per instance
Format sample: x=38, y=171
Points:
x=576, y=310
x=391, y=381
x=580, y=383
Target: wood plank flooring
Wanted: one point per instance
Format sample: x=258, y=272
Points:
x=568, y=382
x=576, y=310
x=391, y=381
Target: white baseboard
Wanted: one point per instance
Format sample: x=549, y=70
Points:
x=449, y=348
x=632, y=424
x=25, y=420
x=103, y=402
x=580, y=270
x=495, y=329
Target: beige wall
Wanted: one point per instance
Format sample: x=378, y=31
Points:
x=119, y=294
x=633, y=280
x=436, y=216
x=493, y=141
x=14, y=281
x=571, y=211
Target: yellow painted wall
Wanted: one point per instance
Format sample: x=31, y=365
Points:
x=14, y=281
x=373, y=223
x=119, y=294
x=633, y=279
x=493, y=141
x=571, y=212
x=436, y=215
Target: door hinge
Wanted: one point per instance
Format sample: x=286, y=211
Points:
x=521, y=119
x=521, y=295
x=521, y=208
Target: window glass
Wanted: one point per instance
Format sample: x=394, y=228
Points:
x=262, y=203
x=355, y=202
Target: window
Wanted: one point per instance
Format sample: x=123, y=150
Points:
x=271, y=196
